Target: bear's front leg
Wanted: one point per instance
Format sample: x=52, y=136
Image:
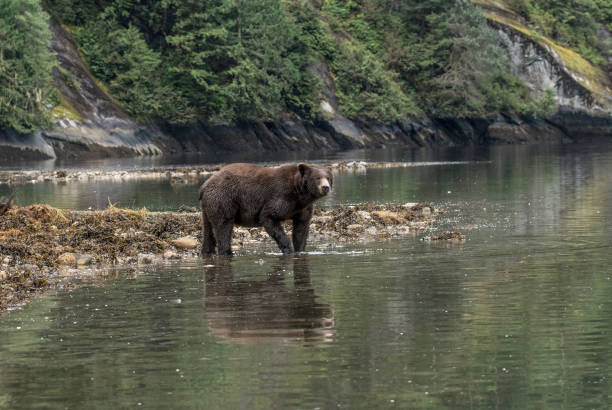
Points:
x=275, y=230
x=301, y=225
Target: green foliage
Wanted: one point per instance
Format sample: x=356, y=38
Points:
x=572, y=23
x=475, y=81
x=122, y=59
x=366, y=90
x=182, y=61
x=25, y=65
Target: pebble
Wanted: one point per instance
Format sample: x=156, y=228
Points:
x=84, y=260
x=3, y=275
x=68, y=259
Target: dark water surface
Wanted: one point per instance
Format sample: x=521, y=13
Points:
x=519, y=316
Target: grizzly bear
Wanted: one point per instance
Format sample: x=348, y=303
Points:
x=251, y=195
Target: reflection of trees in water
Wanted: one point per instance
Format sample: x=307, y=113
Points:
x=252, y=311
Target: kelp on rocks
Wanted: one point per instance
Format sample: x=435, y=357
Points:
x=39, y=243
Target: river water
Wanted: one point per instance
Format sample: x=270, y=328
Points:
x=518, y=316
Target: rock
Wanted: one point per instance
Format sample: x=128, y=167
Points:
x=426, y=211
x=171, y=255
x=410, y=205
x=29, y=267
x=84, y=260
x=3, y=275
x=67, y=259
x=144, y=259
x=446, y=236
x=185, y=209
x=355, y=228
x=186, y=242
x=371, y=231
x=364, y=214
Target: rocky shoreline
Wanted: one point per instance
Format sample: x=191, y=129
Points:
x=187, y=173
x=40, y=246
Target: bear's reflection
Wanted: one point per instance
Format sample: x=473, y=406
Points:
x=255, y=311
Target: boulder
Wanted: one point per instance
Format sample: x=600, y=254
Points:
x=186, y=242
x=67, y=259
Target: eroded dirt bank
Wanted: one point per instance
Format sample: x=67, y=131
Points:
x=41, y=246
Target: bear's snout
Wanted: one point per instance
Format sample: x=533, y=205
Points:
x=324, y=187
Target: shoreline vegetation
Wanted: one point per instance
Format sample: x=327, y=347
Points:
x=227, y=61
x=178, y=174
x=44, y=248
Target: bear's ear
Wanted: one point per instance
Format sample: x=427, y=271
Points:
x=302, y=168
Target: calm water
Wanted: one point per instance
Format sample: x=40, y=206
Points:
x=519, y=316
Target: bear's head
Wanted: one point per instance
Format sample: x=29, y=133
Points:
x=315, y=180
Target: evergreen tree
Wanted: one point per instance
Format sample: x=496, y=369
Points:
x=203, y=50
x=25, y=64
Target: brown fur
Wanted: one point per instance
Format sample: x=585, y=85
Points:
x=251, y=195
x=6, y=205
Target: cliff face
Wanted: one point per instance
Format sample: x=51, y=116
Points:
x=90, y=124
x=99, y=122
x=541, y=68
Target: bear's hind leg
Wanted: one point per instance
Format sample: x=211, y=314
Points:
x=208, y=237
x=223, y=233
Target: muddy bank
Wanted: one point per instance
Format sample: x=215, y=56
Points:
x=41, y=246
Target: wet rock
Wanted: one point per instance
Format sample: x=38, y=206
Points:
x=144, y=259
x=67, y=259
x=371, y=231
x=84, y=260
x=364, y=214
x=171, y=255
x=446, y=236
x=355, y=228
x=5, y=206
x=63, y=241
x=187, y=209
x=186, y=242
